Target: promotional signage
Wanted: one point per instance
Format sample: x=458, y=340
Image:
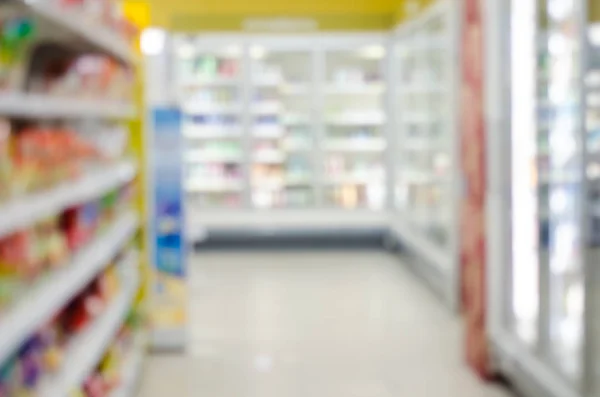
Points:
x=167, y=230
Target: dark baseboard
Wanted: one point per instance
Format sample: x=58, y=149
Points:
x=292, y=239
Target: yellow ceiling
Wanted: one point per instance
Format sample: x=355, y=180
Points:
x=164, y=12
x=198, y=14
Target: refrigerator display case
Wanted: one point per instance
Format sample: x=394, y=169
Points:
x=210, y=84
x=542, y=260
x=282, y=127
x=354, y=140
x=425, y=136
x=287, y=131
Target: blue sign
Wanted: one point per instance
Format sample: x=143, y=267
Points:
x=168, y=224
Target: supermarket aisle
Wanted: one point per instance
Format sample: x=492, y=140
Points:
x=320, y=324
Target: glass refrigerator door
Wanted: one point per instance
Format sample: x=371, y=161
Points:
x=565, y=182
x=282, y=130
x=354, y=143
x=593, y=170
x=210, y=93
x=423, y=188
x=548, y=201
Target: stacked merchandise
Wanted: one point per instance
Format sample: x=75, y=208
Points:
x=281, y=172
x=27, y=256
x=354, y=139
x=284, y=123
x=39, y=157
x=44, y=357
x=68, y=252
x=212, y=124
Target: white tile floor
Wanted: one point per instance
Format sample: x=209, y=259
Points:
x=313, y=324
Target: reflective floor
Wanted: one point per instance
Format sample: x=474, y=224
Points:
x=313, y=324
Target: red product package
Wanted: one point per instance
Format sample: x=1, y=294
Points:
x=19, y=257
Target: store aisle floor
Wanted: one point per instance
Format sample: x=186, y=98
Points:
x=313, y=324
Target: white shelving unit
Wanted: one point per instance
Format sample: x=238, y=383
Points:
x=211, y=93
x=42, y=302
x=81, y=29
x=34, y=307
x=307, y=137
x=38, y=106
x=132, y=369
x=425, y=152
x=87, y=349
x=24, y=211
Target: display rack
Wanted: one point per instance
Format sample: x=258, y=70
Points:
x=67, y=191
x=281, y=90
x=283, y=129
x=425, y=143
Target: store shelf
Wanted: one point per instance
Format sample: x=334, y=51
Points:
x=355, y=145
x=268, y=184
x=211, y=132
x=210, y=108
x=291, y=146
x=85, y=352
x=298, y=180
x=418, y=118
x=267, y=81
x=44, y=299
x=355, y=179
x=269, y=156
x=83, y=28
x=357, y=119
x=419, y=144
x=355, y=89
x=199, y=156
x=207, y=186
x=266, y=108
x=420, y=177
x=216, y=82
x=40, y=106
x=295, y=119
x=295, y=89
x=267, y=131
x=22, y=212
x=132, y=369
